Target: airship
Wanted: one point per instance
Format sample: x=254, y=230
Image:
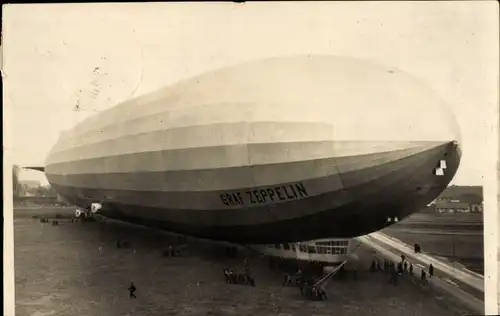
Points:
x=277, y=150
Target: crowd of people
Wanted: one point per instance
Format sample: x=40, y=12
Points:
x=396, y=270
x=238, y=278
x=311, y=287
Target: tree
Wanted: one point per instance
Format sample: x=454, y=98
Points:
x=42, y=190
x=16, y=187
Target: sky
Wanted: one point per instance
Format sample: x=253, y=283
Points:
x=57, y=58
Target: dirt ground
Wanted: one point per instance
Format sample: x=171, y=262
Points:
x=76, y=269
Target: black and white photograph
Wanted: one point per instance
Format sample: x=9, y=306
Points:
x=254, y=158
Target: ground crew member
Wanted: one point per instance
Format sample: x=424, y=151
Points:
x=393, y=277
x=431, y=270
x=322, y=294
x=247, y=266
x=315, y=293
x=400, y=268
x=372, y=266
x=411, y=269
x=132, y=290
x=423, y=276
x=298, y=274
x=287, y=280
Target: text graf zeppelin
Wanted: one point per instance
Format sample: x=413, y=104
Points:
x=265, y=195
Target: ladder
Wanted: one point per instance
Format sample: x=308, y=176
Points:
x=324, y=280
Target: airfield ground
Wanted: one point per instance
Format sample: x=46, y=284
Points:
x=76, y=269
x=457, y=238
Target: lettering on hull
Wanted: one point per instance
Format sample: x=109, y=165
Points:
x=267, y=195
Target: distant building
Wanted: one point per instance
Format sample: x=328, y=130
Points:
x=468, y=194
x=458, y=199
x=476, y=208
x=452, y=207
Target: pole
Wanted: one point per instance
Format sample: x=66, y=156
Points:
x=454, y=258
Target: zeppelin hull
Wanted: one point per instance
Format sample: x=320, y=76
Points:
x=357, y=196
x=225, y=157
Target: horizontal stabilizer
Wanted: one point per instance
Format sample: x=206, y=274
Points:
x=42, y=169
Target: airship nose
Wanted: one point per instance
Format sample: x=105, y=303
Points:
x=456, y=146
x=446, y=157
x=450, y=159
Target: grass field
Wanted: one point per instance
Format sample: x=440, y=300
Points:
x=76, y=269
